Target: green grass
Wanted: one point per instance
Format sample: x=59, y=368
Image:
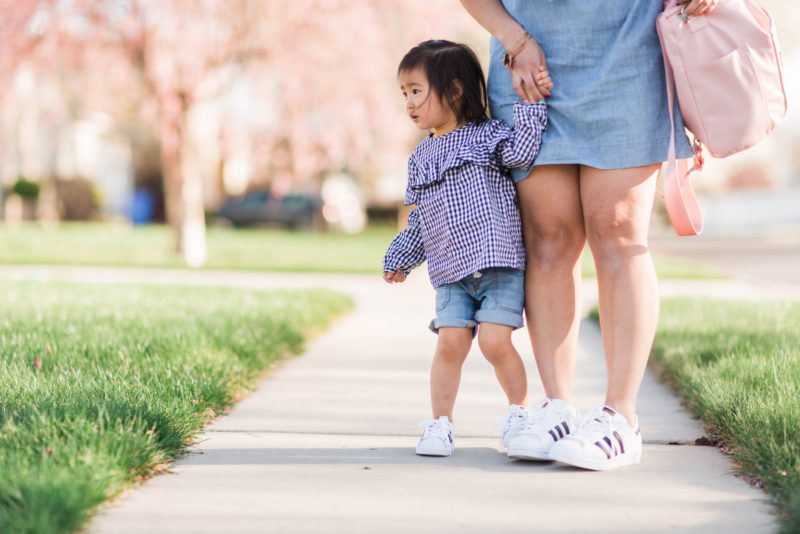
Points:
x=737, y=366
x=129, y=376
x=228, y=248
x=250, y=249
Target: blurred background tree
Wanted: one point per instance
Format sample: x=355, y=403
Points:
x=168, y=107
x=229, y=95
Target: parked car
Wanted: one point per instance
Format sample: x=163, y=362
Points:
x=293, y=210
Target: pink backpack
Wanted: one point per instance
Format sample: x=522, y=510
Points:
x=726, y=70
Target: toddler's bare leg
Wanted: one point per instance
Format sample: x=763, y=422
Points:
x=451, y=351
x=495, y=343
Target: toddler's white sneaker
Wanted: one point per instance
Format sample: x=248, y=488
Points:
x=513, y=423
x=552, y=422
x=437, y=438
x=603, y=440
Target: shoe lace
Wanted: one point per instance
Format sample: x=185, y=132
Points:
x=594, y=426
x=519, y=414
x=544, y=417
x=434, y=427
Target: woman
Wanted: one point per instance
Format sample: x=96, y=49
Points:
x=594, y=181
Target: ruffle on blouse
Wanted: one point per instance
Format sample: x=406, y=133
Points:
x=478, y=145
x=411, y=197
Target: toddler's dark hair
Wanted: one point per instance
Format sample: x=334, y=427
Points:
x=444, y=62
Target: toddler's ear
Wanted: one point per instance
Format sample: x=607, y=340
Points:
x=456, y=90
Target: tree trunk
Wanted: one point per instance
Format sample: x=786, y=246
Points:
x=173, y=193
x=194, y=221
x=183, y=186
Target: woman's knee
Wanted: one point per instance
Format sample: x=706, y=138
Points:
x=613, y=239
x=617, y=210
x=552, y=243
x=552, y=219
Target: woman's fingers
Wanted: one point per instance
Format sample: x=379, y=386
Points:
x=525, y=86
x=698, y=7
x=531, y=91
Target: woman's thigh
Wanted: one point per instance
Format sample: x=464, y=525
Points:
x=550, y=207
x=617, y=205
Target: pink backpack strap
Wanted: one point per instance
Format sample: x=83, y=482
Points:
x=681, y=202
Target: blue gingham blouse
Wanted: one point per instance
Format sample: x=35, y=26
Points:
x=466, y=218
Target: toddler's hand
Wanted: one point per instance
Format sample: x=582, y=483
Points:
x=397, y=276
x=543, y=81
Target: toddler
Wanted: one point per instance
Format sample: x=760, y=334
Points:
x=466, y=225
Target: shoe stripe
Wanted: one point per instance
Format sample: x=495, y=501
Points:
x=619, y=439
x=604, y=448
x=555, y=438
x=611, y=446
x=560, y=433
x=566, y=428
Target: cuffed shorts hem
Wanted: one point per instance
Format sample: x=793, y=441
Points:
x=455, y=322
x=506, y=318
x=492, y=295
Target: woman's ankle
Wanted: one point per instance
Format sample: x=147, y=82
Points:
x=626, y=410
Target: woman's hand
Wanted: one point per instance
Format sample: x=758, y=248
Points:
x=698, y=7
x=492, y=15
x=525, y=66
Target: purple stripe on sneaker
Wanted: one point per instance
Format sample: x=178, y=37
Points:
x=604, y=448
x=610, y=446
x=619, y=439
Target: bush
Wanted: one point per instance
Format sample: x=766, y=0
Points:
x=26, y=189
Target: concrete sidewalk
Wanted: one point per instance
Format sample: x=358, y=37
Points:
x=326, y=444
x=769, y=259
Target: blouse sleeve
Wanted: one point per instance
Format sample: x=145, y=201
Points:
x=521, y=145
x=406, y=250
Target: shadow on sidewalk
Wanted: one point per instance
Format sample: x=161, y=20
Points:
x=483, y=458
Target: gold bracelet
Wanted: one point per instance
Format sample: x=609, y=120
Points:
x=508, y=55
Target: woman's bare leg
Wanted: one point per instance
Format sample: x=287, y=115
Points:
x=553, y=230
x=617, y=205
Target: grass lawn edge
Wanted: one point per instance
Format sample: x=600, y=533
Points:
x=37, y=416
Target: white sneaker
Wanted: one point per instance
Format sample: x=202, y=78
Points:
x=514, y=422
x=603, y=440
x=552, y=422
x=437, y=440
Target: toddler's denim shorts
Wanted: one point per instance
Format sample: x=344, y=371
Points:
x=495, y=295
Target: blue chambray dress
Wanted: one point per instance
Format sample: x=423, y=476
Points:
x=608, y=107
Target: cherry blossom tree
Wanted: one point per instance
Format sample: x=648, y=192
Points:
x=326, y=69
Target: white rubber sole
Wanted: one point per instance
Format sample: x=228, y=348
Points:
x=528, y=454
x=426, y=451
x=598, y=465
